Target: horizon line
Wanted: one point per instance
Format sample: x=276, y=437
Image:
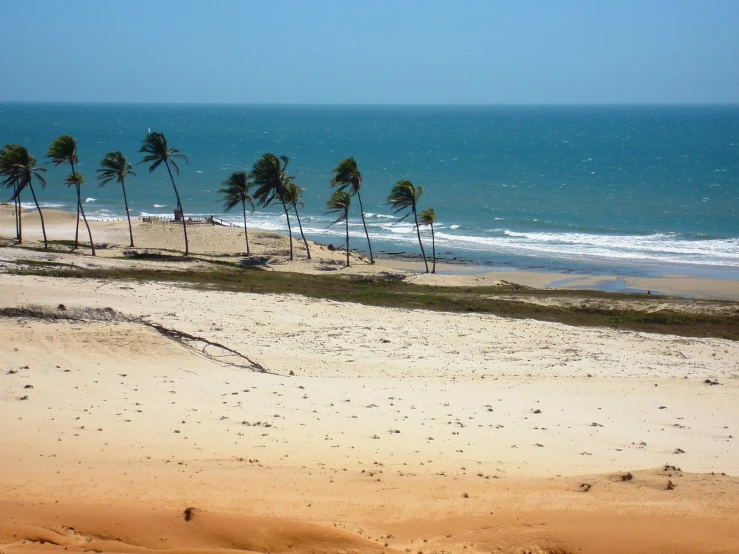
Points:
x=375, y=105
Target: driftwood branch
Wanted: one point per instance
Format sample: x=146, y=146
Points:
x=183, y=338
x=110, y=315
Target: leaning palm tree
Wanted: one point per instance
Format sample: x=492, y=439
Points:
x=428, y=217
x=63, y=149
x=76, y=179
x=269, y=179
x=9, y=175
x=115, y=166
x=404, y=196
x=293, y=193
x=348, y=175
x=18, y=169
x=339, y=204
x=157, y=152
x=235, y=191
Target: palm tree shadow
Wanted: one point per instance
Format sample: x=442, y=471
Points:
x=253, y=261
x=156, y=256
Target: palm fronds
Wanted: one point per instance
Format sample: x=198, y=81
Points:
x=74, y=179
x=428, y=217
x=339, y=204
x=63, y=149
x=268, y=174
x=114, y=167
x=235, y=190
x=347, y=175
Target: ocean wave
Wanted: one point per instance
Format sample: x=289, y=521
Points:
x=378, y=216
x=90, y=200
x=664, y=248
x=477, y=243
x=50, y=205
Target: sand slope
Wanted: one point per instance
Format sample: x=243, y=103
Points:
x=424, y=431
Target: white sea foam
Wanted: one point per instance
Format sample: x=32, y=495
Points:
x=30, y=206
x=665, y=248
x=90, y=200
x=368, y=215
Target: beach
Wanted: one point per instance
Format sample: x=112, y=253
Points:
x=270, y=250
x=151, y=415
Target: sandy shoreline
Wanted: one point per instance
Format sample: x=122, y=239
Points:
x=270, y=250
x=399, y=430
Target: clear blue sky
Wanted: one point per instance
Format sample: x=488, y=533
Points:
x=370, y=51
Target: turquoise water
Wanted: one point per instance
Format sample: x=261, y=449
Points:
x=604, y=189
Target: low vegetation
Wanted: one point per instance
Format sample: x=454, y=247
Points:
x=578, y=308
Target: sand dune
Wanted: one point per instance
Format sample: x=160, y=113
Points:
x=371, y=430
x=398, y=427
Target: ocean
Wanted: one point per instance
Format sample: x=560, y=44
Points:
x=633, y=190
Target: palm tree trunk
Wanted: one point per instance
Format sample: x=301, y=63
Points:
x=361, y=211
x=433, y=249
x=179, y=207
x=418, y=232
x=41, y=215
x=246, y=233
x=346, y=218
x=79, y=207
x=20, y=219
x=300, y=225
x=128, y=214
x=77, y=227
x=289, y=230
x=89, y=232
x=17, y=210
x=84, y=217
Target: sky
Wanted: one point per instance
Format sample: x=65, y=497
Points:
x=370, y=51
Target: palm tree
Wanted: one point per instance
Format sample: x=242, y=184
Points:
x=76, y=179
x=348, y=175
x=428, y=217
x=235, y=191
x=115, y=166
x=9, y=172
x=339, y=204
x=293, y=193
x=63, y=149
x=156, y=150
x=269, y=178
x=19, y=169
x=405, y=196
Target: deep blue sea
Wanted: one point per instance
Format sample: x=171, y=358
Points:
x=624, y=189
